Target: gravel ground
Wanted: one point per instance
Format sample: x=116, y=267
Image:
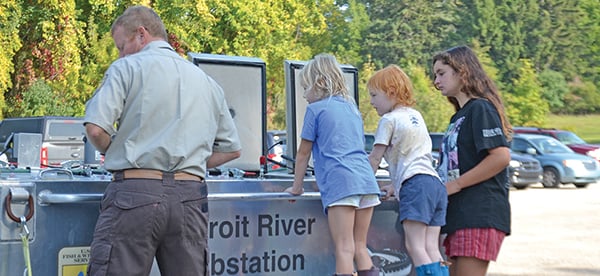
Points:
x=555, y=232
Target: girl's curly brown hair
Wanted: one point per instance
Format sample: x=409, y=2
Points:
x=475, y=82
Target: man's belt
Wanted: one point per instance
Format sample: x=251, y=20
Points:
x=156, y=174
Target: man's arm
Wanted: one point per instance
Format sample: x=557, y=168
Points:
x=98, y=137
x=220, y=158
x=496, y=161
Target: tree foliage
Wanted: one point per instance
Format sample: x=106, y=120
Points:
x=555, y=87
x=543, y=55
x=433, y=106
x=404, y=32
x=10, y=14
x=525, y=106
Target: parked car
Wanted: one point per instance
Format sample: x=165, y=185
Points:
x=522, y=170
x=62, y=138
x=560, y=164
x=568, y=138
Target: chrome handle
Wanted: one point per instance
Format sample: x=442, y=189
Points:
x=47, y=197
x=263, y=196
x=54, y=172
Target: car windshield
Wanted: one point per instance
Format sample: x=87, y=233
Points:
x=546, y=145
x=569, y=138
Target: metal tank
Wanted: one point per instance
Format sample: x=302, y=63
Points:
x=254, y=227
x=47, y=216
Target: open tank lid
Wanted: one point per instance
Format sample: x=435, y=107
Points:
x=243, y=80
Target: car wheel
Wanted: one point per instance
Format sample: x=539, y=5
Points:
x=520, y=186
x=581, y=185
x=551, y=178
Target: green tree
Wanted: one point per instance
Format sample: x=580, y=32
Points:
x=524, y=105
x=66, y=45
x=590, y=35
x=271, y=30
x=40, y=100
x=404, y=32
x=10, y=42
x=434, y=107
x=554, y=89
x=477, y=20
x=369, y=114
x=50, y=52
x=583, y=98
x=347, y=23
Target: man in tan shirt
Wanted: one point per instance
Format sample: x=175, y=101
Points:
x=161, y=122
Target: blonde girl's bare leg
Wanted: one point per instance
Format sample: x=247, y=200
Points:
x=361, y=229
x=341, y=227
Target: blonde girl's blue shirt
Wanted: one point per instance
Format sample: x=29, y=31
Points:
x=341, y=164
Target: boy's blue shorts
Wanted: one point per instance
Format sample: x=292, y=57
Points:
x=423, y=198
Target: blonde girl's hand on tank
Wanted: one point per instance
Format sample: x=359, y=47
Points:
x=295, y=191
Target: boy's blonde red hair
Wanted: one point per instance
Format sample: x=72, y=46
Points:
x=392, y=81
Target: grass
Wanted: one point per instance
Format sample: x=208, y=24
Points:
x=585, y=126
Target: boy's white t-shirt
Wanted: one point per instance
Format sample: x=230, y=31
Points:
x=408, y=152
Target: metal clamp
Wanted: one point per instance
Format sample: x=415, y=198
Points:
x=9, y=212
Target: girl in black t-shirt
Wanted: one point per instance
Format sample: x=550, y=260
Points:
x=473, y=161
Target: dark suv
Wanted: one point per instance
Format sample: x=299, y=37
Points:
x=568, y=138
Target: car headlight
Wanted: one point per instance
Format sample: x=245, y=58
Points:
x=514, y=163
x=594, y=153
x=573, y=163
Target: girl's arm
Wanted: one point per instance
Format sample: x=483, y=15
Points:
x=496, y=161
x=302, y=157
